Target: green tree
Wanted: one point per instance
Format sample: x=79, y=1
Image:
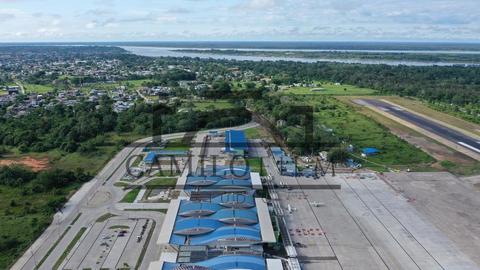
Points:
x=337, y=155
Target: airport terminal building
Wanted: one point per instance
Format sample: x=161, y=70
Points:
x=219, y=224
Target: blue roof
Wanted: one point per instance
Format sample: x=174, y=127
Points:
x=236, y=216
x=150, y=158
x=226, y=262
x=235, y=200
x=196, y=226
x=216, y=182
x=370, y=151
x=188, y=208
x=229, y=217
x=240, y=172
x=235, y=140
x=229, y=234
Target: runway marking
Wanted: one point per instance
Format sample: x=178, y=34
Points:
x=397, y=109
x=470, y=147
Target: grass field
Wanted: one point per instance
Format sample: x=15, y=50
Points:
x=25, y=221
x=177, y=145
x=256, y=165
x=37, y=88
x=330, y=89
x=213, y=105
x=131, y=196
x=23, y=218
x=162, y=182
x=134, y=83
x=361, y=131
x=89, y=162
x=257, y=133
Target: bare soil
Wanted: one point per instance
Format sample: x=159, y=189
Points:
x=29, y=162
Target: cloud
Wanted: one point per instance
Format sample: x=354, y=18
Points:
x=259, y=4
x=6, y=17
x=178, y=11
x=243, y=19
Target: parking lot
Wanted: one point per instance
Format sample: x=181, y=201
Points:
x=115, y=243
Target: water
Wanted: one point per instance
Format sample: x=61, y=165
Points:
x=173, y=52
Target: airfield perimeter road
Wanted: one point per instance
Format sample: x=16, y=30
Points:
x=456, y=139
x=94, y=199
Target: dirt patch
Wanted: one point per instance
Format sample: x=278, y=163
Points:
x=29, y=162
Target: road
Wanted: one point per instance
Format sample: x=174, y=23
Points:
x=94, y=199
x=455, y=137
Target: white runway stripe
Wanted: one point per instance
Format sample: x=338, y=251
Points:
x=469, y=147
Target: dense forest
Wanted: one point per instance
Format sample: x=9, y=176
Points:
x=457, y=85
x=82, y=127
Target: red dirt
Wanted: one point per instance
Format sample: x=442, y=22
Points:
x=32, y=163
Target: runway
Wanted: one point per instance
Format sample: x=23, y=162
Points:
x=459, y=139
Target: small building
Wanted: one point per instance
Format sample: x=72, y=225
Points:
x=13, y=90
x=286, y=165
x=370, y=151
x=236, y=142
x=150, y=159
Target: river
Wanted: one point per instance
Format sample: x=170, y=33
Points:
x=173, y=52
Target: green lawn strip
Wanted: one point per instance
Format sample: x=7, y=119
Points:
x=145, y=246
x=329, y=89
x=104, y=217
x=76, y=218
x=147, y=209
x=162, y=182
x=137, y=161
x=256, y=165
x=69, y=248
x=121, y=184
x=52, y=248
x=253, y=133
x=123, y=227
x=167, y=173
x=37, y=88
x=213, y=105
x=131, y=195
x=177, y=145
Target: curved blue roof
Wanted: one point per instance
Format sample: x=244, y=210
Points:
x=196, y=226
x=236, y=172
x=235, y=262
x=229, y=233
x=188, y=208
x=203, y=180
x=236, y=216
x=234, y=183
x=226, y=262
x=235, y=200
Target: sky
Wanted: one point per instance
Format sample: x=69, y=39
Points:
x=239, y=20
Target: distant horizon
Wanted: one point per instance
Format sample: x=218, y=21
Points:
x=246, y=41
